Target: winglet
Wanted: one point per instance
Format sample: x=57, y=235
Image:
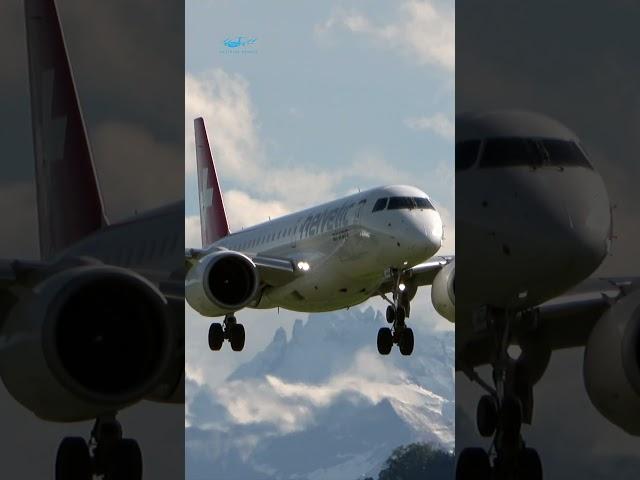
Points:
x=69, y=202
x=213, y=219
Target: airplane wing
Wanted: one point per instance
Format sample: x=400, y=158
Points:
x=274, y=271
x=564, y=322
x=424, y=273
x=419, y=275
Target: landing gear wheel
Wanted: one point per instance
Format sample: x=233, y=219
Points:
x=487, y=415
x=126, y=463
x=473, y=464
x=406, y=341
x=216, y=336
x=529, y=465
x=237, y=337
x=385, y=341
x=391, y=314
x=73, y=461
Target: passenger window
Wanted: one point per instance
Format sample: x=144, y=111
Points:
x=380, y=204
x=466, y=154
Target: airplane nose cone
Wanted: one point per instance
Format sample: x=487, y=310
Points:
x=434, y=229
x=424, y=233
x=578, y=226
x=590, y=223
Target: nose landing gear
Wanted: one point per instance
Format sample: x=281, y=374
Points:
x=106, y=454
x=231, y=331
x=500, y=414
x=397, y=312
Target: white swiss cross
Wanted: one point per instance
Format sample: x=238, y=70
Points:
x=206, y=193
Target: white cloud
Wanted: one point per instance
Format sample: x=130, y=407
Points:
x=242, y=209
x=192, y=236
x=438, y=123
x=422, y=31
x=139, y=187
x=19, y=215
x=292, y=406
x=223, y=100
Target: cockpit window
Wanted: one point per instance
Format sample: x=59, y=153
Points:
x=380, y=204
x=508, y=152
x=563, y=153
x=466, y=154
x=409, y=203
x=532, y=152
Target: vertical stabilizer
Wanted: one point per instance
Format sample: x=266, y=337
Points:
x=69, y=202
x=213, y=219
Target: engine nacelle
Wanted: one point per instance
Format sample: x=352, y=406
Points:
x=612, y=364
x=85, y=341
x=443, y=293
x=222, y=282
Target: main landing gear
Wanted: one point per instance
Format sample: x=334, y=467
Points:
x=397, y=312
x=106, y=454
x=500, y=414
x=232, y=331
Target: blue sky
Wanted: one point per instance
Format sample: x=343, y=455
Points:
x=331, y=97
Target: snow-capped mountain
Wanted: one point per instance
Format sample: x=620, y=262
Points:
x=323, y=404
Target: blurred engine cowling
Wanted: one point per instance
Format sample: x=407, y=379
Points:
x=222, y=282
x=443, y=294
x=612, y=364
x=85, y=341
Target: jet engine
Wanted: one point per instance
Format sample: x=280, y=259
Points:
x=222, y=282
x=443, y=294
x=612, y=364
x=85, y=341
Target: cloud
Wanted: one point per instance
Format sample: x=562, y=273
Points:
x=19, y=237
x=223, y=100
x=422, y=31
x=438, y=124
x=293, y=406
x=263, y=188
x=242, y=210
x=150, y=178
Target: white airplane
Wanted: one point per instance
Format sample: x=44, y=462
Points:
x=97, y=325
x=327, y=257
x=533, y=221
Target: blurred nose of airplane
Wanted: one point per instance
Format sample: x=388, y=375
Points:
x=589, y=218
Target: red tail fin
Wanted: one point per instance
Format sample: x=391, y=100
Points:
x=213, y=219
x=69, y=202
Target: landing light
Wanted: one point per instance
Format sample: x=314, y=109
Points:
x=304, y=266
x=402, y=287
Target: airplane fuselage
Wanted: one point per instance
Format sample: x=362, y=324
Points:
x=535, y=216
x=150, y=243
x=343, y=248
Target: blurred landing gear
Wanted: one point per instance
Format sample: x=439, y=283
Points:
x=500, y=414
x=397, y=312
x=473, y=464
x=232, y=331
x=107, y=454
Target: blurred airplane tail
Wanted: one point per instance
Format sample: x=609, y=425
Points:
x=68, y=196
x=213, y=218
